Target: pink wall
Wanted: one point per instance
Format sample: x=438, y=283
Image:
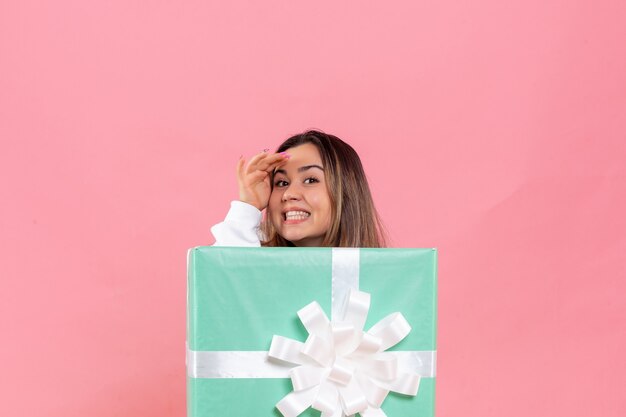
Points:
x=493, y=131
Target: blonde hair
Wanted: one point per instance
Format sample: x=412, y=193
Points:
x=355, y=221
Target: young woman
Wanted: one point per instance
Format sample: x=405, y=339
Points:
x=314, y=191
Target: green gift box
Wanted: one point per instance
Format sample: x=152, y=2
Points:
x=239, y=298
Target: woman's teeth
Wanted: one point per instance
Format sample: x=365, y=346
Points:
x=296, y=215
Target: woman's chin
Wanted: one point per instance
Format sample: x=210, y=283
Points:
x=305, y=241
x=293, y=237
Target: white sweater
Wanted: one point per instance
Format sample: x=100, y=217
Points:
x=240, y=227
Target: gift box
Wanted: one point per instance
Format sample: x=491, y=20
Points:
x=239, y=298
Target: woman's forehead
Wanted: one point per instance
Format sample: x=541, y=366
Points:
x=307, y=151
x=302, y=158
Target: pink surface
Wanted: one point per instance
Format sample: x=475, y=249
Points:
x=493, y=131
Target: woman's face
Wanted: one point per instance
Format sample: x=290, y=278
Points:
x=300, y=206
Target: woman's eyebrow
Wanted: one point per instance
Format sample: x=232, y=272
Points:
x=301, y=169
x=307, y=167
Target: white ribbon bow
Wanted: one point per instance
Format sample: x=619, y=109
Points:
x=344, y=370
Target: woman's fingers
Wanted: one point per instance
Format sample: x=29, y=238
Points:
x=275, y=165
x=241, y=167
x=256, y=158
x=257, y=176
x=264, y=162
x=246, y=176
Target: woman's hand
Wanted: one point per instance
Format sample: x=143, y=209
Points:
x=254, y=178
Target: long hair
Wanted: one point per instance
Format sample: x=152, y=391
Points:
x=355, y=221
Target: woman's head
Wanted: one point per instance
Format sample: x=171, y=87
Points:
x=320, y=197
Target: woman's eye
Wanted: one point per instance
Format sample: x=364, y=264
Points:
x=280, y=183
x=311, y=180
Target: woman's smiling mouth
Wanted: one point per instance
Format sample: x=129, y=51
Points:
x=295, y=216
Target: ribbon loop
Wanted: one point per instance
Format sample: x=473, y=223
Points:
x=405, y=383
x=314, y=319
x=352, y=398
x=326, y=399
x=294, y=403
x=392, y=329
x=341, y=372
x=345, y=337
x=369, y=345
x=383, y=366
x=374, y=393
x=305, y=376
x=319, y=350
x=287, y=350
x=356, y=307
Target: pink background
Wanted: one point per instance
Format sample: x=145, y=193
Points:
x=493, y=131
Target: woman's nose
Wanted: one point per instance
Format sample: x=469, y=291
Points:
x=291, y=193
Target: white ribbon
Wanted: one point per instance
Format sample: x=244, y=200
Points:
x=255, y=364
x=340, y=369
x=345, y=276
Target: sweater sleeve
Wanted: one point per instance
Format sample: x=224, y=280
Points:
x=240, y=227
